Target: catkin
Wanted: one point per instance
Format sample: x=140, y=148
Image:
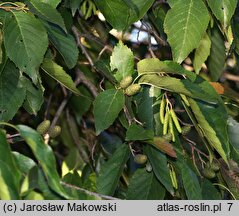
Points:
x=165, y=123
x=175, y=121
x=161, y=110
x=171, y=128
x=173, y=178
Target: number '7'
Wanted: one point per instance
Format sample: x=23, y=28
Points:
x=229, y=207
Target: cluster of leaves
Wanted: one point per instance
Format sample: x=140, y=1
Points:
x=117, y=142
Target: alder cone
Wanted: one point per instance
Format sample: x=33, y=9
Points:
x=55, y=131
x=215, y=166
x=125, y=82
x=140, y=159
x=208, y=173
x=43, y=127
x=132, y=89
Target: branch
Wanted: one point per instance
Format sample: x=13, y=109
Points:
x=82, y=79
x=149, y=41
x=231, y=77
x=76, y=137
x=159, y=2
x=151, y=30
x=106, y=47
x=193, y=144
x=93, y=38
x=89, y=192
x=79, y=44
x=48, y=106
x=60, y=110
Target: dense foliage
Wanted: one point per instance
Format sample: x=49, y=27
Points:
x=128, y=99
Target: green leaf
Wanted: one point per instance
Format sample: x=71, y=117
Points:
x=109, y=143
x=25, y=163
x=190, y=183
x=107, y=106
x=212, y=119
x=155, y=66
x=233, y=128
x=202, y=52
x=235, y=30
x=158, y=162
x=9, y=190
x=185, y=24
x=74, y=6
x=1, y=42
x=103, y=66
x=8, y=158
x=75, y=179
x=110, y=172
x=122, y=13
x=179, y=86
x=223, y=10
x=47, y=12
x=85, y=102
x=64, y=43
x=38, y=181
x=217, y=57
x=209, y=192
x=9, y=173
x=4, y=16
x=57, y=72
x=89, y=183
x=26, y=42
x=34, y=196
x=145, y=108
x=145, y=186
x=193, y=83
x=12, y=92
x=122, y=59
x=45, y=156
x=157, y=16
x=137, y=132
x=73, y=159
x=34, y=96
x=53, y=3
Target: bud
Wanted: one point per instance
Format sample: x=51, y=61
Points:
x=148, y=167
x=167, y=137
x=186, y=129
